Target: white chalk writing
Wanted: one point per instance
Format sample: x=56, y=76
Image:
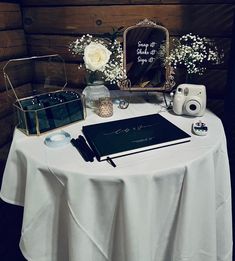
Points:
x=146, y=52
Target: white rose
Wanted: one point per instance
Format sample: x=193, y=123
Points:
x=96, y=56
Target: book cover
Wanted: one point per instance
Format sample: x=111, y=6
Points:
x=122, y=137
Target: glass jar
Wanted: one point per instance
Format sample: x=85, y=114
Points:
x=105, y=107
x=93, y=92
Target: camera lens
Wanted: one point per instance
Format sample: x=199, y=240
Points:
x=192, y=107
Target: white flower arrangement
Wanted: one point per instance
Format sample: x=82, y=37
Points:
x=194, y=53
x=101, y=56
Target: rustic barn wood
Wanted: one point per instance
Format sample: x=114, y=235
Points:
x=75, y=76
x=52, y=44
x=19, y=76
x=214, y=79
x=192, y=1
x=118, y=2
x=215, y=82
x=12, y=44
x=10, y=16
x=6, y=105
x=178, y=19
x=52, y=24
x=59, y=44
x=7, y=99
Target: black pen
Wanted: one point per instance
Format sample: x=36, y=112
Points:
x=86, y=147
x=82, y=152
x=110, y=161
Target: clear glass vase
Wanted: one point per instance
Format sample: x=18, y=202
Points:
x=93, y=92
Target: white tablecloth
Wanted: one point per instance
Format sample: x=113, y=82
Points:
x=169, y=204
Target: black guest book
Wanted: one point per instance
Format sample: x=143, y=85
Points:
x=122, y=137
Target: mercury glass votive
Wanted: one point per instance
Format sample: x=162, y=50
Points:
x=105, y=107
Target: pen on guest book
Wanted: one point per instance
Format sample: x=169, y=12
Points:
x=110, y=161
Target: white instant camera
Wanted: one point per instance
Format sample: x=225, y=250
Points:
x=190, y=99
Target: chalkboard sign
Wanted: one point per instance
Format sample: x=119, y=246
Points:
x=146, y=46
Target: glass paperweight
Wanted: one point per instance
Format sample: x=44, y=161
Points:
x=93, y=92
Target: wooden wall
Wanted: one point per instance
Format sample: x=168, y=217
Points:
x=51, y=24
x=12, y=44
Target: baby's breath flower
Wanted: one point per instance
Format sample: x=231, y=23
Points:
x=194, y=53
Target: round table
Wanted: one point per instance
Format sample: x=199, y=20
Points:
x=172, y=203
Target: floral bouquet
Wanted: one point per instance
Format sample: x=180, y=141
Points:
x=194, y=53
x=103, y=58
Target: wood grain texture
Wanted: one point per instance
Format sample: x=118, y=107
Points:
x=2, y=79
x=214, y=79
x=10, y=16
x=193, y=1
x=59, y=44
x=74, y=2
x=6, y=105
x=178, y=19
x=7, y=99
x=12, y=44
x=20, y=74
x=52, y=44
x=216, y=106
x=75, y=76
x=117, y=2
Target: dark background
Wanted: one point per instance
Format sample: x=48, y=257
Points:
x=37, y=27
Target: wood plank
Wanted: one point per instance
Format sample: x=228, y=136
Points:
x=118, y=2
x=51, y=44
x=7, y=131
x=2, y=79
x=6, y=105
x=214, y=80
x=216, y=106
x=75, y=76
x=178, y=19
x=12, y=44
x=73, y=2
x=192, y=1
x=19, y=74
x=10, y=16
x=6, y=101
